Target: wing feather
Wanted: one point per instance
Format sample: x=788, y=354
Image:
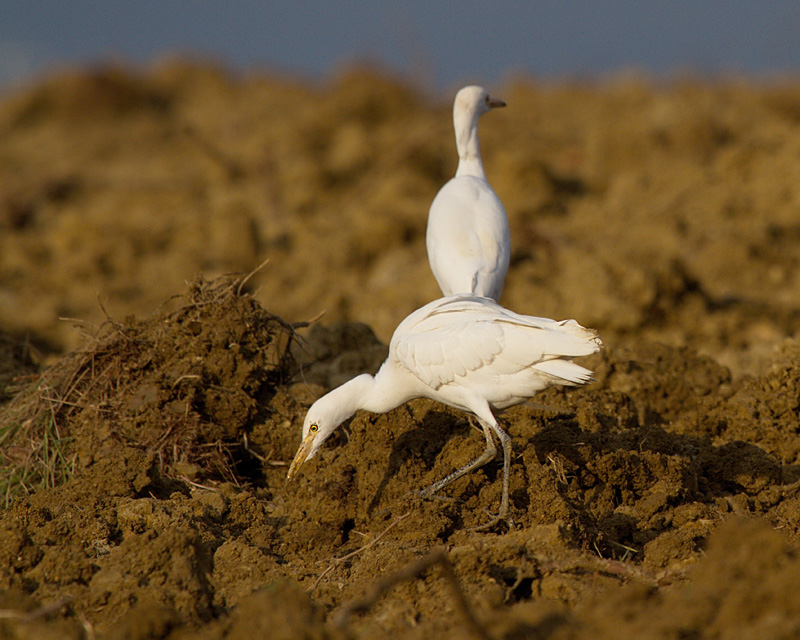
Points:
x=442, y=354
x=452, y=337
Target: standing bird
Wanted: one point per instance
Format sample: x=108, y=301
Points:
x=469, y=353
x=467, y=238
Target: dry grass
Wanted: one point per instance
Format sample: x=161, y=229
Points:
x=33, y=442
x=100, y=377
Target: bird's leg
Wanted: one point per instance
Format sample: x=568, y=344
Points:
x=505, y=442
x=481, y=460
x=502, y=514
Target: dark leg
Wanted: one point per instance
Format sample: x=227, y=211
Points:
x=481, y=460
x=502, y=514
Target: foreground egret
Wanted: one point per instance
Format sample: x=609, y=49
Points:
x=467, y=352
x=467, y=238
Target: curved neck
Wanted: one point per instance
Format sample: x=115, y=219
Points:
x=377, y=394
x=469, y=149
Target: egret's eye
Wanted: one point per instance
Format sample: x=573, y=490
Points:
x=313, y=428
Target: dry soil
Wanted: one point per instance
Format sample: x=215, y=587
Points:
x=145, y=438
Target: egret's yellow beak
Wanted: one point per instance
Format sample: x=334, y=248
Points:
x=301, y=455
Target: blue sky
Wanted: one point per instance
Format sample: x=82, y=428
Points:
x=435, y=44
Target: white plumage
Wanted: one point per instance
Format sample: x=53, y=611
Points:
x=467, y=238
x=467, y=352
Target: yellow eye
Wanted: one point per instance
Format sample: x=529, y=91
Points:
x=313, y=428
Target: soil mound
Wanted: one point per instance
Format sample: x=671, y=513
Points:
x=172, y=514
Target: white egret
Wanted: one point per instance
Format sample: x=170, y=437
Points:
x=467, y=352
x=467, y=238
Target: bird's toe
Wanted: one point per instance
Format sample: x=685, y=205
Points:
x=494, y=521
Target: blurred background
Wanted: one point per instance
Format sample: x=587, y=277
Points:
x=648, y=160
x=437, y=45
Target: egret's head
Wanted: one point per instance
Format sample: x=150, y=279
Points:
x=475, y=100
x=324, y=417
x=315, y=431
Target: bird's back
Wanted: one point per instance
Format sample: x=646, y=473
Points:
x=468, y=238
x=504, y=356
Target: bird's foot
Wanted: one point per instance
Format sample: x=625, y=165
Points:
x=496, y=518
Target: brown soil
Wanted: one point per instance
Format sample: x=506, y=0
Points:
x=144, y=457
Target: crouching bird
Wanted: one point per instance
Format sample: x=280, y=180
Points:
x=467, y=352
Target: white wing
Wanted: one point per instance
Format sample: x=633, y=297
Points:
x=468, y=239
x=455, y=336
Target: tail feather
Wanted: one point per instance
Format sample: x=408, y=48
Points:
x=570, y=341
x=567, y=372
x=573, y=328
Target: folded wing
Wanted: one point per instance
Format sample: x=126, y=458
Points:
x=452, y=337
